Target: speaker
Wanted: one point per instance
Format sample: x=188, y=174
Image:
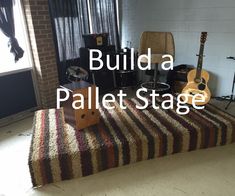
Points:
x=96, y=40
x=103, y=78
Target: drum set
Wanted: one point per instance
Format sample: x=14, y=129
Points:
x=75, y=74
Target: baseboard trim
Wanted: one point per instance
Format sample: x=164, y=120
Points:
x=17, y=117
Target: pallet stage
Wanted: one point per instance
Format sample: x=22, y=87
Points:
x=58, y=152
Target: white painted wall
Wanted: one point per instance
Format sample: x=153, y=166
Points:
x=186, y=19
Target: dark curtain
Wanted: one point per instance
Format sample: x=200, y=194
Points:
x=8, y=27
x=70, y=21
x=104, y=19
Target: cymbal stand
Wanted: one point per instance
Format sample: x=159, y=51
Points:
x=232, y=96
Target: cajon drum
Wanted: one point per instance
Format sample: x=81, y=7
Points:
x=81, y=118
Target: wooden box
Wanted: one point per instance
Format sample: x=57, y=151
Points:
x=81, y=118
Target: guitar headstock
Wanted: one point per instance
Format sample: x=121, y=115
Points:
x=203, y=37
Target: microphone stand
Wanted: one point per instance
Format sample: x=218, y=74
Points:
x=232, y=96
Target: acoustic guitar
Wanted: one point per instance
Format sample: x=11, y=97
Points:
x=198, y=79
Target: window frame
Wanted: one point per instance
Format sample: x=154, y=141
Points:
x=27, y=48
x=31, y=65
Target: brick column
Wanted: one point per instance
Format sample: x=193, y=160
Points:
x=43, y=49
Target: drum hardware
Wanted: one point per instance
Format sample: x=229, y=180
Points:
x=232, y=96
x=75, y=74
x=126, y=78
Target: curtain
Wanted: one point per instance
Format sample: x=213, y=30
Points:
x=70, y=21
x=70, y=18
x=7, y=26
x=104, y=19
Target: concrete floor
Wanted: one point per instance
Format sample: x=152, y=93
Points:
x=204, y=172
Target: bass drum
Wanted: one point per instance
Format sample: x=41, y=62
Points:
x=125, y=79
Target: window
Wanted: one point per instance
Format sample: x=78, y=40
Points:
x=7, y=63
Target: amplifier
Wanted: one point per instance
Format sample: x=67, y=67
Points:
x=96, y=40
x=103, y=78
x=177, y=78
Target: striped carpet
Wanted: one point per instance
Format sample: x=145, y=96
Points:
x=58, y=152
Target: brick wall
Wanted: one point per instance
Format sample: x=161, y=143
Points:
x=43, y=49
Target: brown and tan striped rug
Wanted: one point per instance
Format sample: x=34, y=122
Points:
x=58, y=152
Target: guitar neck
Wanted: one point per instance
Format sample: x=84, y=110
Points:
x=200, y=62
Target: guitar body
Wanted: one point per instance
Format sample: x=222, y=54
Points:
x=197, y=87
x=197, y=80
